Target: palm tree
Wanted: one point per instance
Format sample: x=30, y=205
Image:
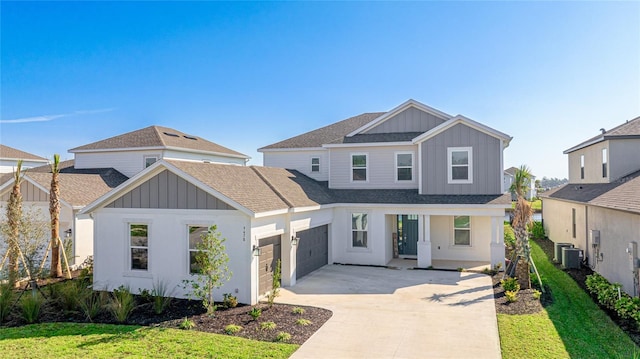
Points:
x=54, y=211
x=14, y=216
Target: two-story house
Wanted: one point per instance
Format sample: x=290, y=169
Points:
x=412, y=182
x=599, y=209
x=509, y=177
x=10, y=156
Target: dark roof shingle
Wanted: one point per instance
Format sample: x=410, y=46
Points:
x=14, y=153
x=629, y=129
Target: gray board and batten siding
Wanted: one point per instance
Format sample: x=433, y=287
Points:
x=166, y=190
x=409, y=120
x=30, y=193
x=486, y=162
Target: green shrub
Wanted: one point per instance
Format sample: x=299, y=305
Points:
x=91, y=305
x=6, y=300
x=509, y=236
x=283, y=337
x=510, y=284
x=230, y=301
x=31, y=306
x=232, y=329
x=187, y=324
x=122, y=304
x=537, y=294
x=161, y=297
x=145, y=295
x=303, y=322
x=627, y=306
x=536, y=230
x=512, y=296
x=69, y=294
x=267, y=326
x=255, y=313
x=297, y=310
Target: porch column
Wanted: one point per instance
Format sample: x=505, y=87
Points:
x=288, y=257
x=497, y=242
x=424, y=241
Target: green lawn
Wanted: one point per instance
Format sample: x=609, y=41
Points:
x=571, y=327
x=71, y=340
x=536, y=205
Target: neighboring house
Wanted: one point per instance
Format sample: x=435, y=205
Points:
x=9, y=157
x=134, y=151
x=509, y=177
x=599, y=209
x=77, y=189
x=412, y=183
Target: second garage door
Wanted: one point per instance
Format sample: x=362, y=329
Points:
x=313, y=250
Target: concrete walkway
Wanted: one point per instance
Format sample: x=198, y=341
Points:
x=386, y=313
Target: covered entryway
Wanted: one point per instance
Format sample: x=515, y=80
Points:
x=407, y=235
x=313, y=250
x=269, y=255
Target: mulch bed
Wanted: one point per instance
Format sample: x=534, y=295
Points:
x=180, y=309
x=526, y=304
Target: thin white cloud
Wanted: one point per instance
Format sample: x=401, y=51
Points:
x=45, y=118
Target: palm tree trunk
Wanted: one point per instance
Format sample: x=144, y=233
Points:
x=54, y=211
x=14, y=215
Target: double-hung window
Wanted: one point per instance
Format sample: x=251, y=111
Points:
x=604, y=163
x=195, y=238
x=315, y=164
x=462, y=230
x=138, y=246
x=581, y=166
x=359, y=228
x=460, y=165
x=359, y=167
x=404, y=166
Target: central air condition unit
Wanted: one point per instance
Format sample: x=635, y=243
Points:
x=571, y=258
x=557, y=250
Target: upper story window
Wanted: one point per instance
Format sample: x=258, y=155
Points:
x=149, y=160
x=359, y=167
x=581, y=166
x=460, y=165
x=359, y=229
x=404, y=166
x=315, y=164
x=604, y=163
x=462, y=230
x=138, y=246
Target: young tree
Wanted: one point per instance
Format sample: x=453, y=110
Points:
x=212, y=270
x=54, y=211
x=31, y=240
x=14, y=214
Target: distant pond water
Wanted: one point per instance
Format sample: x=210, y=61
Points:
x=537, y=217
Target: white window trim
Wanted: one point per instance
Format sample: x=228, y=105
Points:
x=366, y=167
x=450, y=179
x=144, y=160
x=187, y=225
x=453, y=232
x=413, y=172
x=313, y=158
x=605, y=162
x=128, y=272
x=353, y=248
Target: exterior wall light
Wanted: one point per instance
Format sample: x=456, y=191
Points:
x=68, y=233
x=256, y=251
x=294, y=240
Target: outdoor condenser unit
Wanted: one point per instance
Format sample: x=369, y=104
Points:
x=557, y=250
x=571, y=257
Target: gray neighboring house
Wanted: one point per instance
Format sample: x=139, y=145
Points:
x=510, y=175
x=9, y=157
x=599, y=209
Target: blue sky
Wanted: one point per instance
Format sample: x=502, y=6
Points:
x=245, y=75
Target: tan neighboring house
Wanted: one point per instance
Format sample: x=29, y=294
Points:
x=77, y=189
x=134, y=151
x=598, y=211
x=9, y=157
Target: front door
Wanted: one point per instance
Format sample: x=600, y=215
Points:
x=408, y=235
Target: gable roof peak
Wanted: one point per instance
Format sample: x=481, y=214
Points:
x=628, y=129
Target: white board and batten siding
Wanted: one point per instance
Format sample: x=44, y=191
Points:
x=299, y=161
x=381, y=167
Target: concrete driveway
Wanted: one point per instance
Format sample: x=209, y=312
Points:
x=387, y=313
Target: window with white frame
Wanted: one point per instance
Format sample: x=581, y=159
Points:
x=404, y=166
x=149, y=160
x=138, y=246
x=359, y=228
x=604, y=163
x=195, y=234
x=462, y=230
x=315, y=164
x=581, y=166
x=359, y=167
x=460, y=165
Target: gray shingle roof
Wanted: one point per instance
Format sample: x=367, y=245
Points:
x=379, y=137
x=158, y=136
x=7, y=152
x=629, y=129
x=411, y=196
x=78, y=187
x=622, y=194
x=327, y=134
